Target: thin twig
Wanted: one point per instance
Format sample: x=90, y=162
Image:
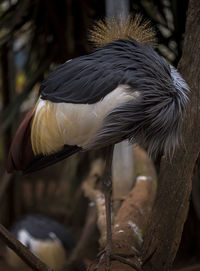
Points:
x=126, y=255
x=114, y=257
x=149, y=257
x=99, y=262
x=29, y=258
x=124, y=261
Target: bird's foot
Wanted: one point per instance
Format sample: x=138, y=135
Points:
x=125, y=259
x=105, y=256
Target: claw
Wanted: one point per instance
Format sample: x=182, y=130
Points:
x=116, y=257
x=120, y=257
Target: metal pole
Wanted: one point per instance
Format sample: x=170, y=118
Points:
x=117, y=8
x=122, y=169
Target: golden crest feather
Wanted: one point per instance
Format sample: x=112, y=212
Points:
x=112, y=29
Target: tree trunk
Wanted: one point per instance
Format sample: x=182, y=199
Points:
x=175, y=181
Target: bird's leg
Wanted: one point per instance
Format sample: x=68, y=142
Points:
x=107, y=190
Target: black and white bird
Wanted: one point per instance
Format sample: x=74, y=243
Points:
x=123, y=90
x=45, y=237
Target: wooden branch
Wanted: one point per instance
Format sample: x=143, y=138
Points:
x=88, y=188
x=96, y=196
x=130, y=221
x=175, y=181
x=25, y=254
x=14, y=18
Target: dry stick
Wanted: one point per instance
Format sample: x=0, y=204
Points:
x=25, y=254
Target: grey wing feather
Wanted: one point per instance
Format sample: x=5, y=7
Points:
x=81, y=80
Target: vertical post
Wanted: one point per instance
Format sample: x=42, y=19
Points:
x=117, y=8
x=122, y=168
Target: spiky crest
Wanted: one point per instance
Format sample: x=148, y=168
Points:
x=112, y=29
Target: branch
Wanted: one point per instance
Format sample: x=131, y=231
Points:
x=175, y=181
x=131, y=219
x=29, y=258
x=92, y=194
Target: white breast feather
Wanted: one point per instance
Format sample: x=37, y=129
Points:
x=77, y=123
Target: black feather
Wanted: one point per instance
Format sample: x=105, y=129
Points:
x=40, y=227
x=41, y=161
x=153, y=120
x=88, y=79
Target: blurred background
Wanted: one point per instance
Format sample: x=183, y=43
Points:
x=35, y=37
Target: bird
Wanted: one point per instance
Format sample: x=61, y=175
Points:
x=123, y=90
x=45, y=237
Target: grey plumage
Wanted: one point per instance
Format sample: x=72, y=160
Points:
x=154, y=119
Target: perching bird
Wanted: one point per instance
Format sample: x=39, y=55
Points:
x=123, y=90
x=45, y=237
